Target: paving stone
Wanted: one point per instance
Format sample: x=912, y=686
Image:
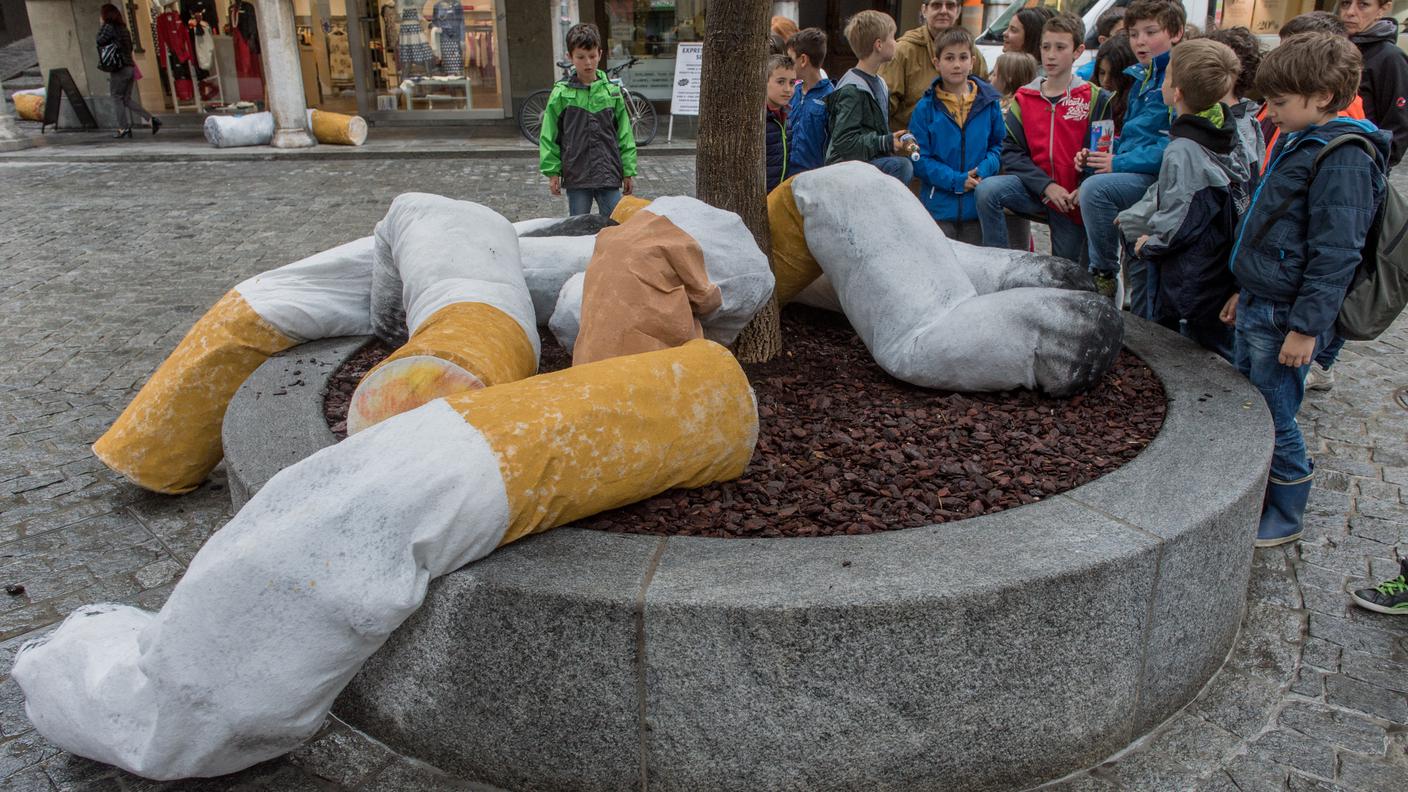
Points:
x=1321, y=654
x=1255, y=773
x=1344, y=729
x=1299, y=782
x=32, y=779
x=1239, y=702
x=1309, y=683
x=1294, y=749
x=1362, y=772
x=1364, y=697
x=1376, y=671
x=1351, y=636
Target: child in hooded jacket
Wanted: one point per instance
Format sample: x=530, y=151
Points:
x=959, y=128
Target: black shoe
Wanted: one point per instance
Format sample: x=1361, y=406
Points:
x=156, y=125
x=1390, y=596
x=123, y=133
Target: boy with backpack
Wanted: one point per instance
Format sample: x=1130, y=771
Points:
x=806, y=118
x=1299, y=246
x=586, y=145
x=858, y=111
x=1048, y=122
x=1182, y=228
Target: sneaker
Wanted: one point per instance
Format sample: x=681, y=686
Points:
x=1319, y=378
x=1390, y=596
x=1105, y=285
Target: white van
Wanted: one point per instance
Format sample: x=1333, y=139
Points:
x=990, y=42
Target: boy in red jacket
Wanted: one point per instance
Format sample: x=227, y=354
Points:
x=1047, y=123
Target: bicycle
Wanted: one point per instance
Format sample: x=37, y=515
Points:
x=640, y=110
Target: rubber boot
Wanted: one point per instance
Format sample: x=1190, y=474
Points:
x=1283, y=516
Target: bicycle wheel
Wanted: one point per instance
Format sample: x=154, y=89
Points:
x=643, y=118
x=530, y=115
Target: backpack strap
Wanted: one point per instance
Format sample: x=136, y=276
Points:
x=1347, y=139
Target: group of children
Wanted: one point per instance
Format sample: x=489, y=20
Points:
x=1228, y=226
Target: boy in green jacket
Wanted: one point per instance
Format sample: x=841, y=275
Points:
x=858, y=110
x=586, y=145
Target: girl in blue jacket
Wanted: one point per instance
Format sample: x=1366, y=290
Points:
x=959, y=127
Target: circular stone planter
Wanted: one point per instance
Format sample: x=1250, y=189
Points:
x=996, y=652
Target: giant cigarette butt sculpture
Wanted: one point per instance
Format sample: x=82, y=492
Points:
x=280, y=608
x=168, y=438
x=914, y=306
x=449, y=272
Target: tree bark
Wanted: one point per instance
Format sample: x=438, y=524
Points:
x=729, y=169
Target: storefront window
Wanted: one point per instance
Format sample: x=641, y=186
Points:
x=434, y=55
x=649, y=30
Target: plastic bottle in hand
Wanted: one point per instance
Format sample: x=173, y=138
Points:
x=911, y=145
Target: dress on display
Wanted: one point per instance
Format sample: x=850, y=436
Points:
x=173, y=46
x=388, y=29
x=413, y=47
x=448, y=16
x=244, y=31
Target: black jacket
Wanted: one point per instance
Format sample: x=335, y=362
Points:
x=1189, y=215
x=1384, y=85
x=110, y=33
x=777, y=153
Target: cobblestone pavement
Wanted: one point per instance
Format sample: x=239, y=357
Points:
x=103, y=267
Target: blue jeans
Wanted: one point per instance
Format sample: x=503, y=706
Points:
x=579, y=201
x=996, y=193
x=899, y=167
x=1261, y=330
x=1331, y=352
x=1102, y=197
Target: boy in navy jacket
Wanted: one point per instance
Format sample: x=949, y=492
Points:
x=959, y=128
x=1122, y=176
x=806, y=119
x=1298, y=247
x=781, y=77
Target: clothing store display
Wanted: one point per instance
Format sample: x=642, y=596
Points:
x=244, y=32
x=173, y=47
x=413, y=49
x=206, y=9
x=389, y=25
x=204, y=37
x=448, y=18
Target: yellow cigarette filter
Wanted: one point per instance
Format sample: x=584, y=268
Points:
x=792, y=262
x=463, y=346
x=337, y=129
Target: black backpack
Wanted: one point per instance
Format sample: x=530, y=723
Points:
x=1379, y=291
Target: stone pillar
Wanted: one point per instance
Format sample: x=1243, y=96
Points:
x=282, y=74
x=11, y=139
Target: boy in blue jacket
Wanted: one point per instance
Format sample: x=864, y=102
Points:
x=806, y=119
x=1122, y=176
x=1299, y=245
x=959, y=127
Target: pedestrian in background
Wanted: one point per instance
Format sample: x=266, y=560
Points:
x=115, y=58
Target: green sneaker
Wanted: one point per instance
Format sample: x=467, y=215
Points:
x=1390, y=596
x=1106, y=285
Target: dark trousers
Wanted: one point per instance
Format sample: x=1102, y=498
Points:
x=120, y=85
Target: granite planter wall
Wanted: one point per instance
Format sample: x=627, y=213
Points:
x=992, y=653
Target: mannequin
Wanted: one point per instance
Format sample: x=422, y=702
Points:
x=447, y=16
x=244, y=31
x=413, y=46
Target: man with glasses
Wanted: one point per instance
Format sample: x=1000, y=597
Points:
x=912, y=71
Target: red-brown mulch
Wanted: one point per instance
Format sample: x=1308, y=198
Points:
x=846, y=449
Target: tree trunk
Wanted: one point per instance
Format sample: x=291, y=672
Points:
x=729, y=171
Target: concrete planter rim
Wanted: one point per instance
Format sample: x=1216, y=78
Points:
x=1161, y=544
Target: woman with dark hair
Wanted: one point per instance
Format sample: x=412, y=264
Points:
x=1111, y=60
x=115, y=57
x=1023, y=33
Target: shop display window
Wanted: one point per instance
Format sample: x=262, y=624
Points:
x=649, y=30
x=434, y=55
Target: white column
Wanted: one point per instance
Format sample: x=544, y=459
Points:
x=11, y=139
x=282, y=75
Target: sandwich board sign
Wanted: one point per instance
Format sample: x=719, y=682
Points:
x=684, y=90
